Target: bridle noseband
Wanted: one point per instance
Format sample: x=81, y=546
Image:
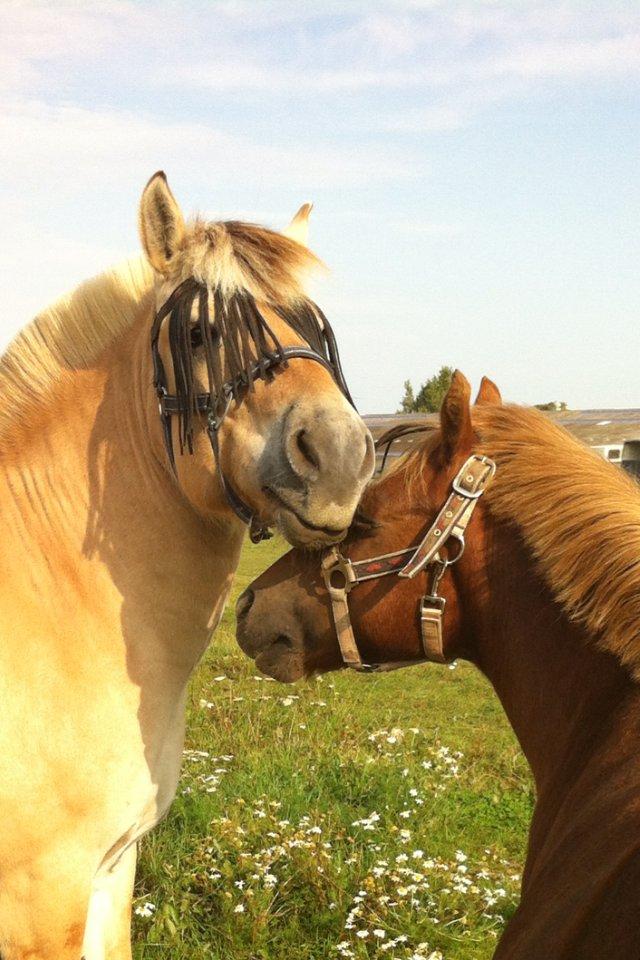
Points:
x=251, y=352
x=341, y=574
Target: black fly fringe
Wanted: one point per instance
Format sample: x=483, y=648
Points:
x=238, y=344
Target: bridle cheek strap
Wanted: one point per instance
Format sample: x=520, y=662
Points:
x=341, y=574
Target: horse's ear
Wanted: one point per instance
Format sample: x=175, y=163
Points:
x=488, y=394
x=161, y=223
x=455, y=417
x=298, y=229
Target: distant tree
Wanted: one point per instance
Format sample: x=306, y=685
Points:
x=432, y=393
x=552, y=405
x=408, y=402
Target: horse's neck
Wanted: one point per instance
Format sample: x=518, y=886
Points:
x=90, y=492
x=558, y=689
x=576, y=713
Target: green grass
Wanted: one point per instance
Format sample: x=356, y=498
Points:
x=330, y=818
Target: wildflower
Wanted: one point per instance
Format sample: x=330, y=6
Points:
x=146, y=909
x=239, y=908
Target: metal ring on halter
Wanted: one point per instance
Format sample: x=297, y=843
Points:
x=459, y=537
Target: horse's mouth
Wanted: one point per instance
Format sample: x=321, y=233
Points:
x=276, y=658
x=315, y=534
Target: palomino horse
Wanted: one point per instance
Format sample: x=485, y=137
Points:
x=545, y=600
x=120, y=539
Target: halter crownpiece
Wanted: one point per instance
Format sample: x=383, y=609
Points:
x=239, y=348
x=341, y=574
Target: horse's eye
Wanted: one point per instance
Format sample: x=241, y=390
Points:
x=196, y=338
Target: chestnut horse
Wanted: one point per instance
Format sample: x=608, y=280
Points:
x=121, y=535
x=545, y=600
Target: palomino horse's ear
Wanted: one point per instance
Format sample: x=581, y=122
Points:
x=488, y=394
x=161, y=223
x=455, y=416
x=298, y=229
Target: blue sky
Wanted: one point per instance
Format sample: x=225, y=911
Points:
x=474, y=167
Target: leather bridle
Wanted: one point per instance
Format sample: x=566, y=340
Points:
x=341, y=574
x=269, y=357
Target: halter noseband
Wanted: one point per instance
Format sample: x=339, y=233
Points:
x=341, y=574
x=253, y=352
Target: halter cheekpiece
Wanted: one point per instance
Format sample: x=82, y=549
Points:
x=341, y=574
x=239, y=348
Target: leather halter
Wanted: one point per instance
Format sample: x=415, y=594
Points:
x=215, y=406
x=341, y=574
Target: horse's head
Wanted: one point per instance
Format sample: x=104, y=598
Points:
x=249, y=367
x=285, y=618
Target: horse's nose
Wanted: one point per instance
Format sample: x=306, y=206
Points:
x=330, y=447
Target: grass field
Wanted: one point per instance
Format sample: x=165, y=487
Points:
x=346, y=817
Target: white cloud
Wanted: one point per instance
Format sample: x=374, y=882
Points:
x=67, y=147
x=608, y=58
x=435, y=119
x=427, y=228
x=250, y=77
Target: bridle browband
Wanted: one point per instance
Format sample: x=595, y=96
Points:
x=251, y=352
x=341, y=574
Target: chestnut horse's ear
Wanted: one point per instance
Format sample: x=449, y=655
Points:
x=161, y=223
x=455, y=417
x=488, y=394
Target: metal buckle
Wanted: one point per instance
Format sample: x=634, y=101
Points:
x=431, y=602
x=458, y=485
x=161, y=394
x=215, y=420
x=343, y=566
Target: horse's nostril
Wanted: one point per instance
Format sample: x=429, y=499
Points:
x=244, y=603
x=306, y=449
x=284, y=641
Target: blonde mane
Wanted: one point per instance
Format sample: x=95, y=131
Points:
x=69, y=335
x=578, y=515
x=73, y=332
